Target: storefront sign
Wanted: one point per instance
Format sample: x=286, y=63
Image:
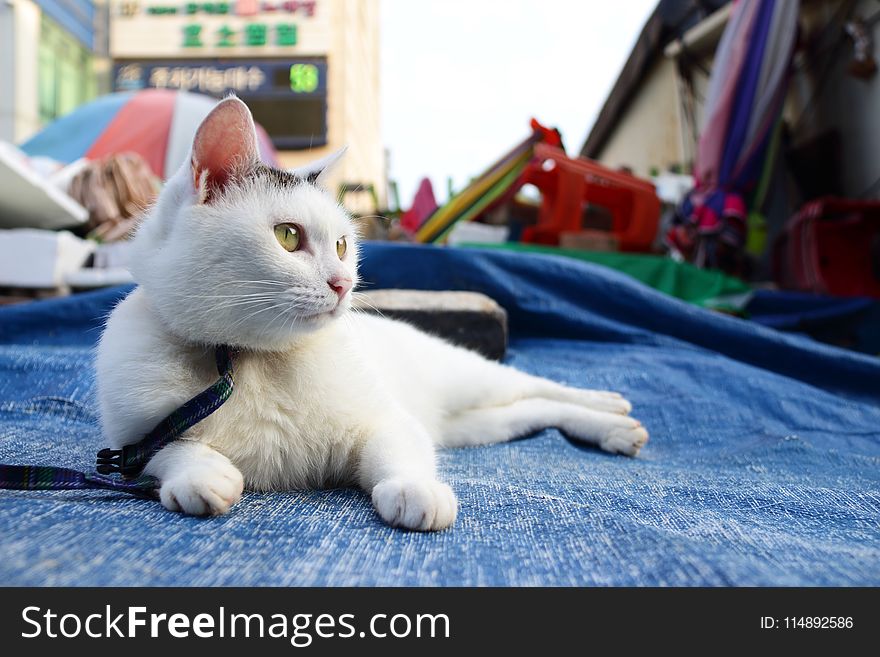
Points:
x=129, y=8
x=249, y=34
x=218, y=29
x=288, y=98
x=307, y=76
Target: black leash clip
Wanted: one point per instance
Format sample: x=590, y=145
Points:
x=124, y=461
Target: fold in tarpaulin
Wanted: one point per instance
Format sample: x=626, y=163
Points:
x=761, y=468
x=853, y=322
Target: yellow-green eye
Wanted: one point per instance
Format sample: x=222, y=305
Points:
x=341, y=247
x=287, y=236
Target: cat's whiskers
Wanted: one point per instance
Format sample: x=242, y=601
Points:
x=241, y=305
x=349, y=323
x=233, y=296
x=286, y=314
x=285, y=304
x=363, y=298
x=288, y=317
x=242, y=320
x=233, y=302
x=236, y=303
x=257, y=282
x=363, y=284
x=255, y=285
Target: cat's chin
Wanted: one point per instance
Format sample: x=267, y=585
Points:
x=334, y=313
x=190, y=329
x=304, y=327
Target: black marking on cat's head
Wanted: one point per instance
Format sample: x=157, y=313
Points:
x=282, y=178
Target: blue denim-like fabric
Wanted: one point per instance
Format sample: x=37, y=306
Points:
x=762, y=469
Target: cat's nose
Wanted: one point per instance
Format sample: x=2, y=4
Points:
x=340, y=284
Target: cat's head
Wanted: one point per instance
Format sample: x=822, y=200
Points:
x=235, y=252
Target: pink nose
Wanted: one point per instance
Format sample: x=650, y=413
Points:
x=340, y=284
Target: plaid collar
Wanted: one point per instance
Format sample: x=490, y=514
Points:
x=130, y=460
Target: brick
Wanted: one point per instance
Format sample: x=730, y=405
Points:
x=468, y=319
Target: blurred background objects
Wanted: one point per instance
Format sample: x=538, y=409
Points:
x=733, y=139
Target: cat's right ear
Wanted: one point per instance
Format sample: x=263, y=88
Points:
x=225, y=145
x=315, y=171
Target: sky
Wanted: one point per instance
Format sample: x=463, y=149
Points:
x=461, y=78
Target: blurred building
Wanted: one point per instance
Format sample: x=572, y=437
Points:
x=308, y=69
x=652, y=117
x=642, y=125
x=51, y=54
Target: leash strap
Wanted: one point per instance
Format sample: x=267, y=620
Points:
x=47, y=477
x=130, y=460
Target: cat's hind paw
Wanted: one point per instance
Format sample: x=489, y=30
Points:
x=625, y=437
x=203, y=489
x=423, y=505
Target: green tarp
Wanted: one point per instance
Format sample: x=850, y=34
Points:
x=702, y=287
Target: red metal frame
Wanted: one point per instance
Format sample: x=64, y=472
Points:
x=829, y=246
x=567, y=184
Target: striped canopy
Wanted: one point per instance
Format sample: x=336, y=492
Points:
x=158, y=124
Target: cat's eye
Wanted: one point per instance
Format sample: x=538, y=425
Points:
x=288, y=236
x=341, y=247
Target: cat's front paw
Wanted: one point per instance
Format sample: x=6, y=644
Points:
x=625, y=436
x=203, y=489
x=613, y=402
x=606, y=401
x=423, y=505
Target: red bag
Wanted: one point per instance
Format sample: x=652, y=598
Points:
x=831, y=246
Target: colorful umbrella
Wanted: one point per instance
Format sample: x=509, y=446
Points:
x=158, y=124
x=743, y=106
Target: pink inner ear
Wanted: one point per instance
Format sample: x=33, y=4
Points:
x=224, y=143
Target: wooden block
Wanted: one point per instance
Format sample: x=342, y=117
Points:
x=468, y=319
x=588, y=240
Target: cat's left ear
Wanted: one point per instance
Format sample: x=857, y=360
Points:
x=225, y=145
x=314, y=172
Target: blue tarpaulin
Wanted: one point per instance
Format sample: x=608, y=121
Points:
x=762, y=468
x=853, y=322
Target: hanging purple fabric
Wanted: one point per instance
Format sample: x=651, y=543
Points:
x=747, y=89
x=745, y=97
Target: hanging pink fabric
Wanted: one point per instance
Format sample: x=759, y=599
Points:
x=729, y=61
x=746, y=92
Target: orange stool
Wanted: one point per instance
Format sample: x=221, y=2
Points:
x=568, y=184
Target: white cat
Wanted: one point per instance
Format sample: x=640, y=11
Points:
x=240, y=254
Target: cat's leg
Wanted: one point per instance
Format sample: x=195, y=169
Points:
x=195, y=479
x=397, y=468
x=527, y=386
x=609, y=431
x=493, y=384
